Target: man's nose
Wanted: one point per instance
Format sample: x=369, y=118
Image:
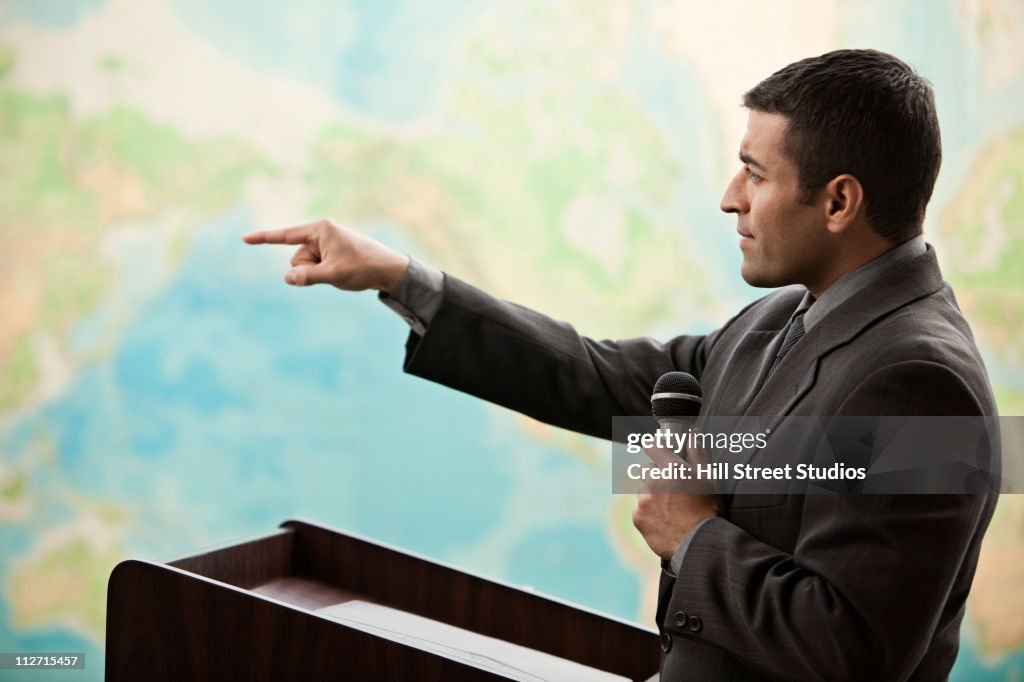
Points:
x=734, y=199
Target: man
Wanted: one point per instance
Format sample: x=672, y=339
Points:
x=838, y=161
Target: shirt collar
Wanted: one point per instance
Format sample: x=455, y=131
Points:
x=850, y=283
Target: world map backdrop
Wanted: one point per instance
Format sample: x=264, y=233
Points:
x=162, y=390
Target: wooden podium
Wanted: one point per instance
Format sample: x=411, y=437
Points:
x=249, y=612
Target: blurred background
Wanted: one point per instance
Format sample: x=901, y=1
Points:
x=162, y=390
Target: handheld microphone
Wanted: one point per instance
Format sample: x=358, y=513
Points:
x=676, y=399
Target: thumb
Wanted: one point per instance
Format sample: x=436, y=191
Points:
x=304, y=275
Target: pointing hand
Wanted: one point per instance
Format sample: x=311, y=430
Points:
x=331, y=254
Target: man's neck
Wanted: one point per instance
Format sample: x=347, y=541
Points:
x=850, y=283
x=857, y=258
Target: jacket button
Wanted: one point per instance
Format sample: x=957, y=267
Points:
x=666, y=642
x=680, y=619
x=695, y=623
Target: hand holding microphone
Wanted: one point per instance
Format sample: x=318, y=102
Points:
x=667, y=515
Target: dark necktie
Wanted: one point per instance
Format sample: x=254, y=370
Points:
x=796, y=330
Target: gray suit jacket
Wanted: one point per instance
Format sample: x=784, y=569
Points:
x=786, y=587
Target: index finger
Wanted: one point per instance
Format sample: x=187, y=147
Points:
x=288, y=235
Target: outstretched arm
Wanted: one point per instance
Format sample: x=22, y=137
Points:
x=494, y=349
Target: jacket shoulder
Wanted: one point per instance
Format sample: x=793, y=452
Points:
x=926, y=343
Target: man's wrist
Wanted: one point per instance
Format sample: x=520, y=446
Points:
x=417, y=296
x=393, y=272
x=676, y=560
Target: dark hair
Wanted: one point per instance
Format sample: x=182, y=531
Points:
x=865, y=113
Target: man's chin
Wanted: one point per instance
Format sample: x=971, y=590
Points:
x=756, y=278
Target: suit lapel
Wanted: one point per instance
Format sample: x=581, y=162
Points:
x=748, y=366
x=894, y=288
x=793, y=378
x=798, y=373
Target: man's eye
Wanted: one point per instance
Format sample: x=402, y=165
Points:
x=754, y=177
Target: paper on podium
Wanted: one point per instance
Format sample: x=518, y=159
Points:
x=487, y=653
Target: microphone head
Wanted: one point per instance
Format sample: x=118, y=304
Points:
x=676, y=394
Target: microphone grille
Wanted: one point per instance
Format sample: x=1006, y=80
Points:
x=679, y=383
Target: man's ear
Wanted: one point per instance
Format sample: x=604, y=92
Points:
x=843, y=197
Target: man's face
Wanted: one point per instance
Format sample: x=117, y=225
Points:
x=783, y=241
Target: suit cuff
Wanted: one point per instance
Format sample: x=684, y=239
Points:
x=417, y=297
x=676, y=563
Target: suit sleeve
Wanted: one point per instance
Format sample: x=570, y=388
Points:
x=860, y=596
x=528, y=362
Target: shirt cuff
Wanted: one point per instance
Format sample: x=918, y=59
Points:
x=417, y=297
x=676, y=563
